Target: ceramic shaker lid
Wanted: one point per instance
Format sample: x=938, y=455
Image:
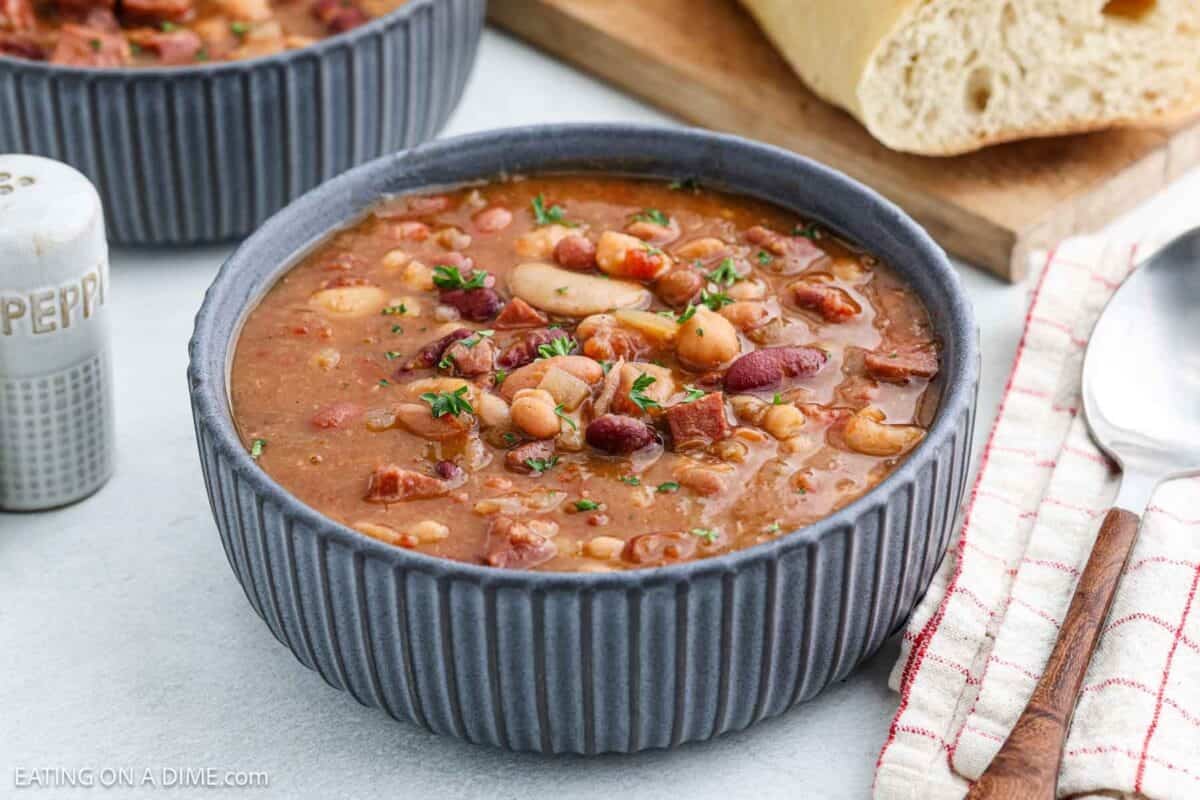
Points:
x=55, y=376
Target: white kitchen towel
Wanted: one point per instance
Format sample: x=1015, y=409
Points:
x=978, y=642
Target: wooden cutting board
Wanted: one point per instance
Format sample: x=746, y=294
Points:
x=707, y=61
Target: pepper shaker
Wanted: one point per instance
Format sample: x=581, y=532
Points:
x=56, y=413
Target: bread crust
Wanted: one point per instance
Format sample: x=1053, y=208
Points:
x=831, y=44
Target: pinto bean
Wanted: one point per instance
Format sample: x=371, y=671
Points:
x=478, y=305
x=767, y=368
x=619, y=435
x=658, y=549
x=832, y=303
x=533, y=412
x=679, y=287
x=575, y=252
x=493, y=219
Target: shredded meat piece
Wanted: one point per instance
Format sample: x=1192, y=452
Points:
x=471, y=360
x=392, y=484
x=21, y=45
x=517, y=459
x=176, y=47
x=514, y=545
x=429, y=355
x=157, y=11
x=700, y=422
x=338, y=15
x=900, y=366
x=17, y=15
x=81, y=46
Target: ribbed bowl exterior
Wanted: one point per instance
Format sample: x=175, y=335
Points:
x=207, y=153
x=586, y=663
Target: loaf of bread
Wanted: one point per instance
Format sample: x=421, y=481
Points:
x=942, y=77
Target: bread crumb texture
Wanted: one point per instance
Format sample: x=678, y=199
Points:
x=956, y=75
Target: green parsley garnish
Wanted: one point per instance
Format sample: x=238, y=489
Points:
x=391, y=355
x=654, y=216
x=715, y=300
x=167, y=27
x=772, y=529
x=256, y=448
x=94, y=44
x=561, y=290
x=777, y=400
x=669, y=486
x=384, y=382
x=202, y=54
x=510, y=437
x=443, y=403
x=631, y=480
x=637, y=393
x=686, y=185
x=554, y=215
x=239, y=28
x=764, y=258
x=562, y=414
x=397, y=329
x=499, y=377
x=726, y=273
x=809, y=231
x=700, y=332
x=394, y=311
x=586, y=505
x=475, y=339
x=606, y=366
x=562, y=346
x=448, y=277
x=693, y=394
x=540, y=465
x=802, y=490
x=707, y=534
x=687, y=313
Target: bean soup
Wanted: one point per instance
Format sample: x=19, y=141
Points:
x=121, y=33
x=583, y=373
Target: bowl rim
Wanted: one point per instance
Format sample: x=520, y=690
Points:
x=213, y=413
x=208, y=68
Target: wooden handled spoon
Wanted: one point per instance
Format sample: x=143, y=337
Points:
x=1141, y=399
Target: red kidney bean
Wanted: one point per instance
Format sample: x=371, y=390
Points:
x=656, y=549
x=575, y=252
x=618, y=434
x=477, y=305
x=429, y=355
x=767, y=368
x=493, y=219
x=448, y=470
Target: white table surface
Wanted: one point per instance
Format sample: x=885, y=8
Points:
x=125, y=641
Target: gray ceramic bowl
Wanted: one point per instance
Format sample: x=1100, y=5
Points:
x=206, y=153
x=588, y=663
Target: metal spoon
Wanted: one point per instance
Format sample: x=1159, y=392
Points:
x=1141, y=398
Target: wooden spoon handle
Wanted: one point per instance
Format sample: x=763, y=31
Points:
x=1026, y=768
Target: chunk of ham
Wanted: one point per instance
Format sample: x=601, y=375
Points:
x=519, y=314
x=512, y=544
x=900, y=366
x=338, y=15
x=82, y=46
x=393, y=484
x=172, y=48
x=157, y=11
x=700, y=422
x=336, y=415
x=17, y=16
x=21, y=45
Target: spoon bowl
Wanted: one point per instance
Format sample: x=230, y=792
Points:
x=1141, y=374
